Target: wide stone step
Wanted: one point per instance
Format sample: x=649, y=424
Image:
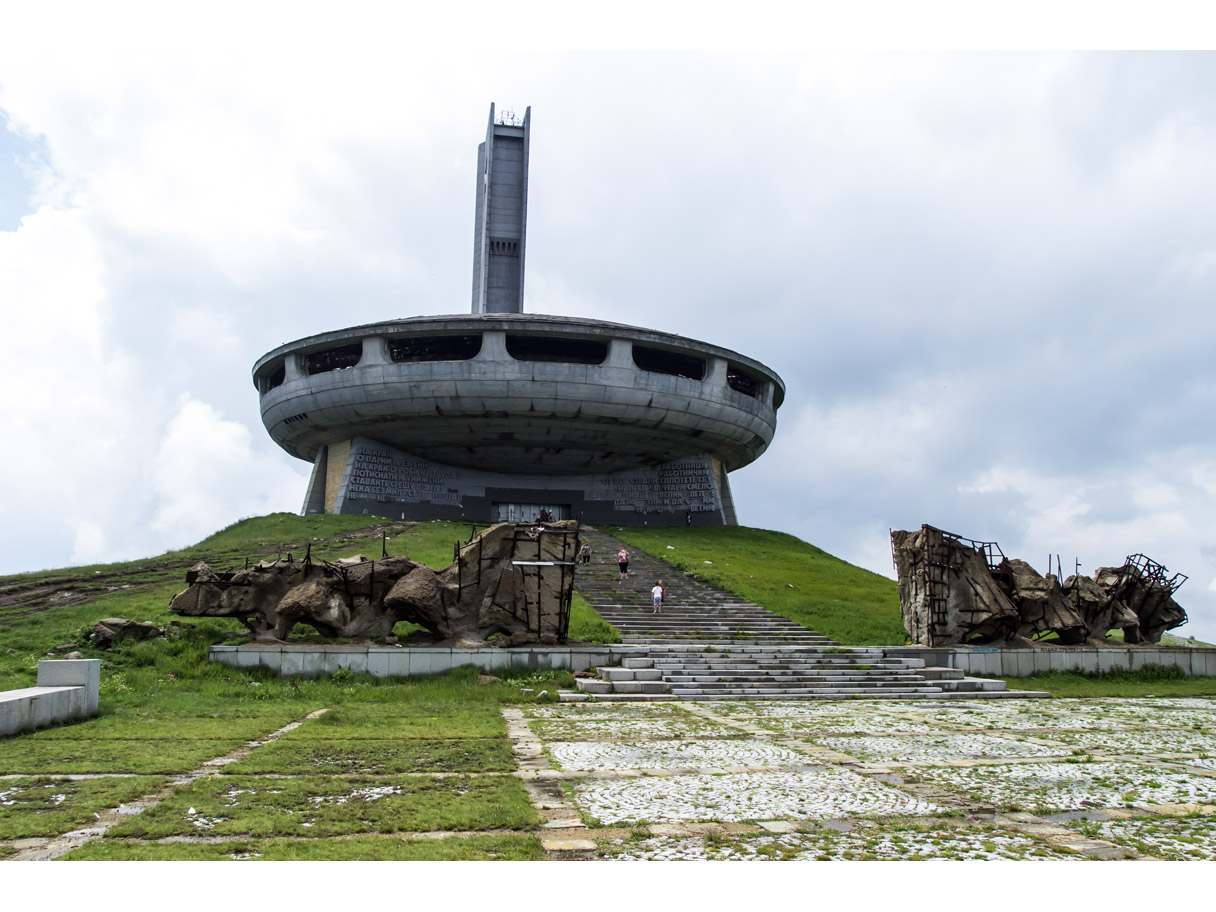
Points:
x=685, y=607
x=649, y=618
x=635, y=640
x=791, y=674
x=787, y=693
x=768, y=664
x=630, y=674
x=722, y=637
x=707, y=629
x=780, y=652
x=759, y=681
x=791, y=638
x=658, y=622
x=649, y=687
x=972, y=685
x=778, y=638
x=774, y=638
x=936, y=673
x=945, y=696
x=732, y=674
x=691, y=614
x=729, y=673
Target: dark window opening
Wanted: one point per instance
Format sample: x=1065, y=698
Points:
x=295, y=419
x=434, y=348
x=659, y=361
x=556, y=348
x=333, y=359
x=778, y=397
x=268, y=381
x=741, y=381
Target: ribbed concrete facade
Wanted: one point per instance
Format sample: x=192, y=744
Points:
x=448, y=416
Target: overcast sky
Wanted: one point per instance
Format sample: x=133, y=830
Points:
x=986, y=279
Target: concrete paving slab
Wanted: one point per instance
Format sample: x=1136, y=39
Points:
x=686, y=790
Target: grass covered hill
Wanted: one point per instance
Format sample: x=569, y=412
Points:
x=42, y=611
x=50, y=611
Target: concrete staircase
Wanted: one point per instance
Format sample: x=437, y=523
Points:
x=693, y=612
x=710, y=645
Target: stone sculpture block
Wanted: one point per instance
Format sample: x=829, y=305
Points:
x=954, y=590
x=509, y=586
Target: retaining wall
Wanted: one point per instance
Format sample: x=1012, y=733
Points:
x=67, y=689
x=1020, y=663
x=400, y=662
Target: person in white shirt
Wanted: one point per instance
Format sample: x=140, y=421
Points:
x=657, y=595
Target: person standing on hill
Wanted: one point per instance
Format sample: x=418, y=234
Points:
x=656, y=594
x=622, y=559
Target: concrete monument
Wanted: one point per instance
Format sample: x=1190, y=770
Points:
x=955, y=590
x=502, y=416
x=509, y=586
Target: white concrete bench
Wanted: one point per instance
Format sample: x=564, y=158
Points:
x=67, y=689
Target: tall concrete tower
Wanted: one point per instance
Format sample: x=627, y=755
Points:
x=502, y=216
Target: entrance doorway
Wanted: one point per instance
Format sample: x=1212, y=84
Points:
x=528, y=512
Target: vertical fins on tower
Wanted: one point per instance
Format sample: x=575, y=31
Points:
x=502, y=215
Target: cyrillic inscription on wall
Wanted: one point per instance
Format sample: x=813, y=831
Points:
x=686, y=484
x=386, y=475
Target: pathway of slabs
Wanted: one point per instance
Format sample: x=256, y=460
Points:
x=411, y=779
x=1108, y=778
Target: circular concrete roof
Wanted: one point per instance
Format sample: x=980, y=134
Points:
x=519, y=393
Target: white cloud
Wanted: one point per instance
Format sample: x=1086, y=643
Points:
x=67, y=404
x=986, y=279
x=207, y=471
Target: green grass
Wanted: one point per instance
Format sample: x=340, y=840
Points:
x=587, y=626
x=785, y=575
x=367, y=755
x=423, y=717
x=64, y=755
x=48, y=806
x=324, y=806
x=362, y=848
x=1167, y=639
x=157, y=722
x=419, y=755
x=1149, y=681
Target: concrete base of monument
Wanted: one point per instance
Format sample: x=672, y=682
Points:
x=67, y=689
x=405, y=661
x=1020, y=663
x=362, y=475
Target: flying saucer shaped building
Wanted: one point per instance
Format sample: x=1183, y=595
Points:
x=500, y=415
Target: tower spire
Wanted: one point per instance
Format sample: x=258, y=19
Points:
x=502, y=214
